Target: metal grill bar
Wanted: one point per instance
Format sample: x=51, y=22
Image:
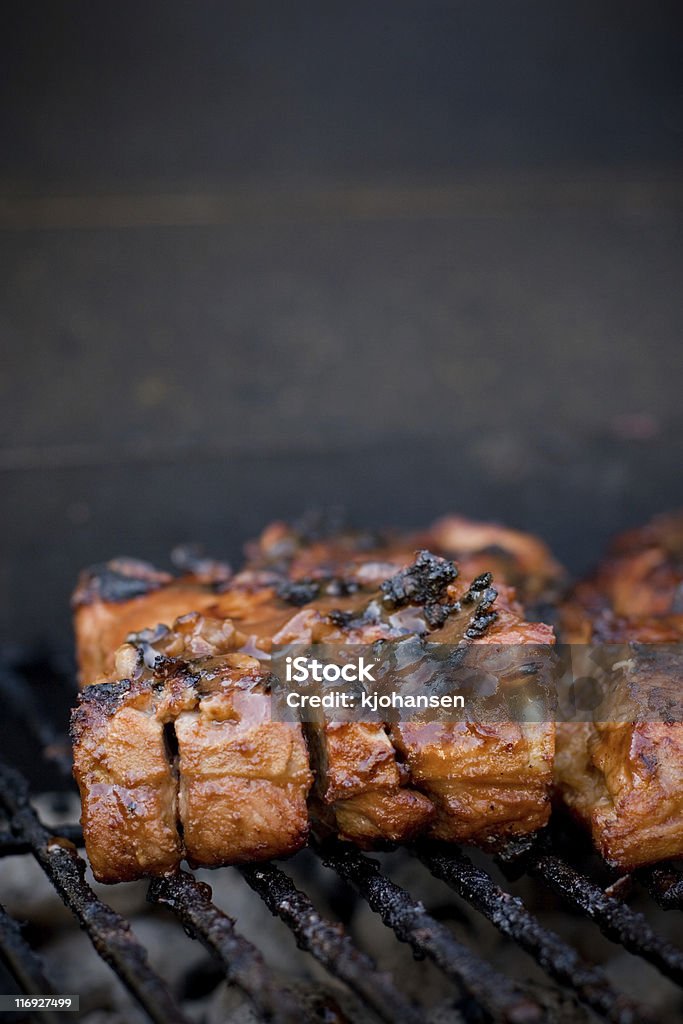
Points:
x=10, y=845
x=412, y=924
x=329, y=943
x=190, y=901
x=109, y=933
x=664, y=882
x=510, y=916
x=23, y=964
x=616, y=920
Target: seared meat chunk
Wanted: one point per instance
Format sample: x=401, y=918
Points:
x=240, y=777
x=237, y=782
x=514, y=557
x=479, y=782
x=361, y=792
x=489, y=780
x=127, y=783
x=124, y=596
x=622, y=773
x=298, y=565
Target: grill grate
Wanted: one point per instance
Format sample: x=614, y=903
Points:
x=427, y=937
x=109, y=933
x=615, y=919
x=23, y=963
x=485, y=993
x=510, y=916
x=190, y=901
x=329, y=943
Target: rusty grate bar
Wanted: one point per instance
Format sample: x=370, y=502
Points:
x=23, y=964
x=510, y=916
x=664, y=882
x=615, y=919
x=109, y=933
x=190, y=901
x=493, y=992
x=329, y=943
x=10, y=845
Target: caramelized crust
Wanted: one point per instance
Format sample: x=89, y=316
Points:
x=622, y=776
x=289, y=566
x=361, y=794
x=642, y=575
x=107, y=609
x=241, y=779
x=462, y=782
x=625, y=781
x=488, y=781
x=127, y=784
x=513, y=557
x=237, y=786
x=518, y=559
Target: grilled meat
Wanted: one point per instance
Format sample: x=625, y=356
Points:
x=489, y=780
x=125, y=596
x=642, y=575
x=299, y=564
x=622, y=774
x=127, y=784
x=518, y=559
x=374, y=783
x=181, y=759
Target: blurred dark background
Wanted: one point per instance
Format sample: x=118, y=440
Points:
x=404, y=257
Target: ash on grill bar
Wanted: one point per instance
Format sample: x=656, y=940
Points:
x=178, y=758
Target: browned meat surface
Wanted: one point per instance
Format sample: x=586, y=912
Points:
x=126, y=596
x=513, y=557
x=128, y=789
x=361, y=792
x=518, y=559
x=301, y=565
x=642, y=574
x=622, y=775
x=484, y=782
x=465, y=782
x=488, y=780
x=238, y=784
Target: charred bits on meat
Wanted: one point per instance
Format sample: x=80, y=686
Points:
x=424, y=582
x=481, y=594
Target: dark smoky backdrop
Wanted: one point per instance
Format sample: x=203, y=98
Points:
x=405, y=258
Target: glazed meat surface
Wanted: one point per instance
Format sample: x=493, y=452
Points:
x=125, y=596
x=128, y=790
x=459, y=781
x=642, y=573
x=298, y=564
x=374, y=783
x=230, y=786
x=622, y=774
x=513, y=557
x=489, y=780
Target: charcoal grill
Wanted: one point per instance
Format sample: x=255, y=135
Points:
x=480, y=991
